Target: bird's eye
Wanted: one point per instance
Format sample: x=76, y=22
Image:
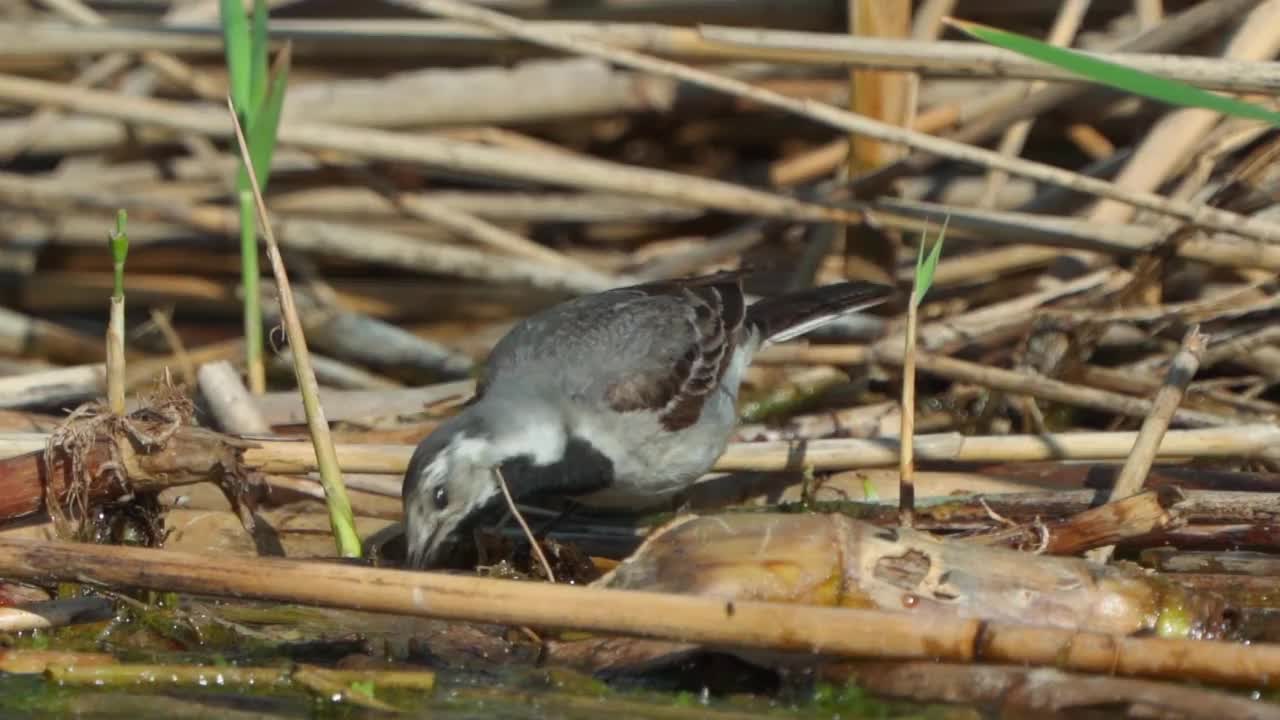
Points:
x=440, y=498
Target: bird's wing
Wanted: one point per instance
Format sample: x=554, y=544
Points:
x=659, y=347
x=714, y=310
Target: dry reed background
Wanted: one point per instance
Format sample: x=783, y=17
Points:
x=1109, y=271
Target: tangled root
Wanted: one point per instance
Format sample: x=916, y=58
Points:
x=161, y=414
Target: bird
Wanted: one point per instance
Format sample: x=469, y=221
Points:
x=616, y=400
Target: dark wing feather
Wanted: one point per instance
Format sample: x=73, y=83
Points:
x=715, y=310
x=782, y=314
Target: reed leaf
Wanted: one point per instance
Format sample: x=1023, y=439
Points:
x=1116, y=76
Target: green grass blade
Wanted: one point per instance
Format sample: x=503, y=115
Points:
x=262, y=132
x=235, y=40
x=1117, y=76
x=927, y=266
x=259, y=47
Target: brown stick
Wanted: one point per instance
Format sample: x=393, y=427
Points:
x=1108, y=524
x=742, y=624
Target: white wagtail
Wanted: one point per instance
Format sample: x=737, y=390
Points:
x=618, y=399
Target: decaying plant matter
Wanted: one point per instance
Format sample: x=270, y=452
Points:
x=96, y=455
x=835, y=560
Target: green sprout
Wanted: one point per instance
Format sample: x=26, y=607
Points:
x=1117, y=76
x=926, y=266
x=119, y=241
x=258, y=98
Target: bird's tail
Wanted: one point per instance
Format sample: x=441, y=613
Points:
x=784, y=317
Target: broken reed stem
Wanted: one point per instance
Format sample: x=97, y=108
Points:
x=515, y=511
x=906, y=463
x=1133, y=475
x=229, y=400
x=340, y=515
x=787, y=627
x=1182, y=369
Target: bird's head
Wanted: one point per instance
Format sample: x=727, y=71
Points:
x=451, y=484
x=448, y=487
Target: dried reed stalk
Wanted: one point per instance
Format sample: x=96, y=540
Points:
x=1239, y=441
x=740, y=623
x=1199, y=214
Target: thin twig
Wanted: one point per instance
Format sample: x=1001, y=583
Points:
x=515, y=512
x=162, y=320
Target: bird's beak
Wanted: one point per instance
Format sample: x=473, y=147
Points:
x=425, y=541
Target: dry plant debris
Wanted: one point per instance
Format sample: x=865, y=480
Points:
x=95, y=454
